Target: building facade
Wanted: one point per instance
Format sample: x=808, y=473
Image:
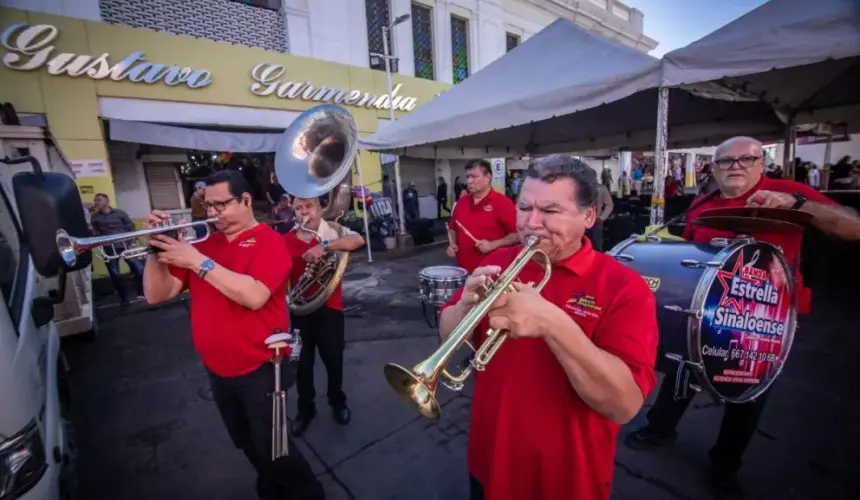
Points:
x=134, y=86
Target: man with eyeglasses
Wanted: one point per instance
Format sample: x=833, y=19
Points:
x=738, y=171
x=237, y=279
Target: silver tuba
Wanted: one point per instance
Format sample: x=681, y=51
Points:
x=312, y=159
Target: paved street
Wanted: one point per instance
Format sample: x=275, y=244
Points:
x=148, y=429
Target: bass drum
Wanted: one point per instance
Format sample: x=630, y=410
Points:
x=726, y=310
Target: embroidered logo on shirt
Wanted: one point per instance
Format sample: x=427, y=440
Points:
x=488, y=208
x=584, y=305
x=248, y=243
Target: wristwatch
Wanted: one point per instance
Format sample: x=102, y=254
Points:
x=325, y=243
x=205, y=266
x=800, y=200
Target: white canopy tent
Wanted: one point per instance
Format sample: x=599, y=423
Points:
x=801, y=57
x=564, y=90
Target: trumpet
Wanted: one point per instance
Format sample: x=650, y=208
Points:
x=417, y=386
x=70, y=247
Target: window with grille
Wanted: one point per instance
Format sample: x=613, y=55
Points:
x=512, y=41
x=460, y=48
x=266, y=4
x=378, y=16
x=422, y=40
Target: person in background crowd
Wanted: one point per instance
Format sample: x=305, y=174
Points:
x=108, y=220
x=483, y=221
x=237, y=279
x=516, y=182
x=625, y=184
x=410, y=202
x=323, y=329
x=673, y=187
x=606, y=177
x=604, y=207
x=579, y=362
x=197, y=211
x=282, y=215
x=738, y=172
x=813, y=177
x=442, y=197
x=459, y=189
x=273, y=195
x=637, y=179
x=801, y=171
x=387, y=188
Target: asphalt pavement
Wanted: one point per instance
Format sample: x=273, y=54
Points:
x=148, y=430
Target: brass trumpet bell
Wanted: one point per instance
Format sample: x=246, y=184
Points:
x=412, y=391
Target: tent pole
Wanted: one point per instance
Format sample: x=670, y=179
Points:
x=661, y=157
x=363, y=206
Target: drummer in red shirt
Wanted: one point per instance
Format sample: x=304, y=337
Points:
x=738, y=172
x=579, y=362
x=482, y=221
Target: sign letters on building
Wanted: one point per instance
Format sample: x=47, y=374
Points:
x=269, y=81
x=29, y=48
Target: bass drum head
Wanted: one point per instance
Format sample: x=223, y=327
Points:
x=748, y=321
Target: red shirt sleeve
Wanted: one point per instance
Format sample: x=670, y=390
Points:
x=272, y=263
x=181, y=274
x=508, y=215
x=629, y=331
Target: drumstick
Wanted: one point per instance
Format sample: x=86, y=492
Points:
x=467, y=232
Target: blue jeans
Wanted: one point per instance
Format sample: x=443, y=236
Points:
x=200, y=230
x=136, y=266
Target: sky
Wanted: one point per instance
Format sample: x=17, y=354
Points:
x=676, y=23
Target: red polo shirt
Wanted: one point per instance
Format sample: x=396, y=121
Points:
x=531, y=436
x=230, y=338
x=490, y=219
x=297, y=248
x=790, y=243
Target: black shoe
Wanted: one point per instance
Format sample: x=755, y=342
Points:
x=645, y=439
x=342, y=415
x=302, y=422
x=726, y=484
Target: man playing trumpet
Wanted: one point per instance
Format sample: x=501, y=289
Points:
x=237, y=279
x=581, y=354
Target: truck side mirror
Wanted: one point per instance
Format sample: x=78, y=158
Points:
x=48, y=202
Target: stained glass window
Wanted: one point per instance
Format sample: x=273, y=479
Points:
x=460, y=48
x=422, y=41
x=378, y=15
x=512, y=41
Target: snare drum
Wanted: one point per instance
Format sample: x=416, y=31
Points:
x=726, y=310
x=438, y=284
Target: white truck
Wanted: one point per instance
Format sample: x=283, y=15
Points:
x=41, y=300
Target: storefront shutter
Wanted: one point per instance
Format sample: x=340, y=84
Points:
x=162, y=181
x=421, y=171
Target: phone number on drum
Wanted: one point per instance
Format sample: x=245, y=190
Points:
x=742, y=354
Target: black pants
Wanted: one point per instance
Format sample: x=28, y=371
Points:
x=323, y=331
x=595, y=234
x=442, y=204
x=245, y=405
x=476, y=491
x=736, y=431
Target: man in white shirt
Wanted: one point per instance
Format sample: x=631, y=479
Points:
x=813, y=177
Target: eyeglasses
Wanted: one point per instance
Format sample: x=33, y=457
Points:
x=219, y=206
x=745, y=161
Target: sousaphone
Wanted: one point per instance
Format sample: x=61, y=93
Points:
x=312, y=159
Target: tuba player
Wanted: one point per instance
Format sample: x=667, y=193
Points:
x=323, y=329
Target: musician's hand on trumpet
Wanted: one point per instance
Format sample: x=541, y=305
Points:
x=177, y=253
x=521, y=312
x=473, y=289
x=156, y=218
